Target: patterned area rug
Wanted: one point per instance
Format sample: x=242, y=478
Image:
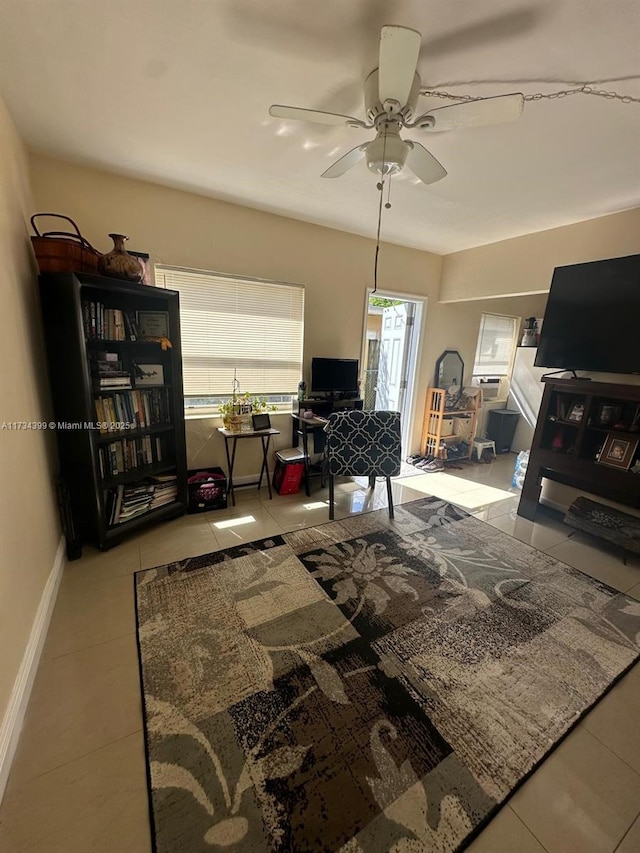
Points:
x=364, y=685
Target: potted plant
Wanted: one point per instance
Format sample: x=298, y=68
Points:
x=236, y=412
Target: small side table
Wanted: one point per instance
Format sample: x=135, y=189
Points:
x=265, y=437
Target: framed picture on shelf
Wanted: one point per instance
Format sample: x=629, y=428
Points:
x=618, y=452
x=153, y=324
x=146, y=375
x=608, y=413
x=145, y=265
x=261, y=421
x=576, y=412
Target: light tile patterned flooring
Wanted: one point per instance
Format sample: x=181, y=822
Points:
x=78, y=781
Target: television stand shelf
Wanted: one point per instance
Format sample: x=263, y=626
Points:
x=587, y=436
x=321, y=408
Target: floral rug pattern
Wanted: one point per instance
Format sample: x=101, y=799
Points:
x=365, y=685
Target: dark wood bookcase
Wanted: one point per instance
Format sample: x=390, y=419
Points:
x=581, y=426
x=84, y=319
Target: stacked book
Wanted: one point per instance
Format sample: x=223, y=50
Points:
x=129, y=502
x=125, y=503
x=109, y=372
x=121, y=456
x=138, y=408
x=115, y=381
x=165, y=490
x=108, y=324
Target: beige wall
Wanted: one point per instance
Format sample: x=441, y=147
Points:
x=181, y=228
x=456, y=325
x=185, y=229
x=29, y=534
x=525, y=264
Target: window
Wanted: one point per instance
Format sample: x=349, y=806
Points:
x=231, y=323
x=496, y=346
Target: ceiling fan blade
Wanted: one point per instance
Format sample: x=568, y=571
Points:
x=423, y=164
x=399, y=49
x=319, y=116
x=346, y=162
x=498, y=110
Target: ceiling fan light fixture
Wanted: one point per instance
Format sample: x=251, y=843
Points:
x=391, y=93
x=386, y=156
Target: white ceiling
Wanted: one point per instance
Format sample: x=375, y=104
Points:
x=177, y=92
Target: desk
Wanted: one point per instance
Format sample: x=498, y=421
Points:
x=265, y=437
x=302, y=427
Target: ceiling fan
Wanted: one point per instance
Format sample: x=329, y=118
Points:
x=391, y=95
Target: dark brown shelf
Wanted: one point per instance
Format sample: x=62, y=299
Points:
x=584, y=468
x=174, y=508
x=102, y=342
x=576, y=424
x=139, y=473
x=622, y=432
x=580, y=468
x=100, y=392
x=70, y=362
x=108, y=437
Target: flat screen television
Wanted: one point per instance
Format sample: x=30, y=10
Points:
x=334, y=375
x=592, y=319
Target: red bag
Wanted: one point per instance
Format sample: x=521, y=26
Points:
x=287, y=478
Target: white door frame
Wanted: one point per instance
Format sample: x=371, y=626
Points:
x=414, y=356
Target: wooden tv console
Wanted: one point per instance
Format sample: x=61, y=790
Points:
x=578, y=419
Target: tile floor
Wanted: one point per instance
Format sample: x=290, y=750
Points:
x=78, y=781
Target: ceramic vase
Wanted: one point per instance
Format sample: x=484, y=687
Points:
x=118, y=263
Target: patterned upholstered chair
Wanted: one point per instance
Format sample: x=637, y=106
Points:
x=363, y=444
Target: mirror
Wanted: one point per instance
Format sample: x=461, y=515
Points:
x=450, y=371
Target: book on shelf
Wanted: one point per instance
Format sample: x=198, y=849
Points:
x=108, y=324
x=111, y=368
x=107, y=382
x=124, y=503
x=131, y=326
x=126, y=454
x=140, y=408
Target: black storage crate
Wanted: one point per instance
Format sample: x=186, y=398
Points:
x=207, y=489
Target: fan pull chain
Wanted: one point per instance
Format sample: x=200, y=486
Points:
x=381, y=190
x=388, y=204
x=585, y=89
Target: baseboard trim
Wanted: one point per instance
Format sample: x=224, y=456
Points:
x=248, y=479
x=11, y=725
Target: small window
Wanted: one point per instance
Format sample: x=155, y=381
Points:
x=496, y=346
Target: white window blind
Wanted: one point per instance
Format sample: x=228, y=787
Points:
x=252, y=326
x=496, y=344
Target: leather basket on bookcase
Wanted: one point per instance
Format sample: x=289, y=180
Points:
x=63, y=251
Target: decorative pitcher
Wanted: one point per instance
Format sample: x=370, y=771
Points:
x=118, y=263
